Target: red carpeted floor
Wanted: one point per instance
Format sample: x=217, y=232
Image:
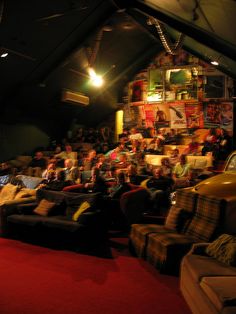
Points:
x=36, y=279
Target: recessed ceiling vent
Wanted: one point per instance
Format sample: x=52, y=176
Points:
x=74, y=98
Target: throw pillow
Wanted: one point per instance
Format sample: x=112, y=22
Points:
x=223, y=249
x=81, y=209
x=8, y=192
x=44, y=207
x=177, y=218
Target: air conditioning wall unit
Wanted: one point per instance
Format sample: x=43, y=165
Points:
x=74, y=98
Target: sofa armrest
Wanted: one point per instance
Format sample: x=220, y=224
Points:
x=26, y=208
x=14, y=203
x=199, y=248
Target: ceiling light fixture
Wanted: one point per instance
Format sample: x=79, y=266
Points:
x=4, y=55
x=96, y=80
x=214, y=62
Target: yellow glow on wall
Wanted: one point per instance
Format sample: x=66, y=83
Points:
x=118, y=124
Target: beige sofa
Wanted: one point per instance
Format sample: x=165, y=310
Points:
x=208, y=285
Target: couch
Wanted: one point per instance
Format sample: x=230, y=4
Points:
x=207, y=284
x=10, y=196
x=59, y=223
x=193, y=219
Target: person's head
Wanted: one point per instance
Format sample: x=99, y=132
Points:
x=51, y=166
x=68, y=148
x=92, y=154
x=38, y=155
x=132, y=169
x=175, y=152
x=122, y=157
x=68, y=163
x=58, y=149
x=157, y=172
x=165, y=161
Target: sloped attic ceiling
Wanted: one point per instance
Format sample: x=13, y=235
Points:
x=50, y=45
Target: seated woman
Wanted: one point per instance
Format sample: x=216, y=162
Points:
x=155, y=146
x=182, y=173
x=166, y=167
x=193, y=147
x=96, y=183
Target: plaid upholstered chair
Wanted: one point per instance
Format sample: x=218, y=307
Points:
x=193, y=219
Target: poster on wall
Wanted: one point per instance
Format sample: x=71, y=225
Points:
x=157, y=115
x=177, y=115
x=218, y=114
x=194, y=115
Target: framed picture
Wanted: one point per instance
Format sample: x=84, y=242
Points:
x=214, y=86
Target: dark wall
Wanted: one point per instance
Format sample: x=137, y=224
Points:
x=20, y=139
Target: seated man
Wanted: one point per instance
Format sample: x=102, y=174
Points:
x=37, y=165
x=159, y=187
x=182, y=173
x=72, y=172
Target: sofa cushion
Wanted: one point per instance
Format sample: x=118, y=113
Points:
x=223, y=249
x=139, y=234
x=44, y=207
x=202, y=266
x=165, y=250
x=8, y=192
x=221, y=291
x=205, y=219
x=62, y=223
x=28, y=220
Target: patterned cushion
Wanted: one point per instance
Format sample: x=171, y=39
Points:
x=186, y=198
x=223, y=249
x=165, y=250
x=139, y=234
x=205, y=219
x=177, y=219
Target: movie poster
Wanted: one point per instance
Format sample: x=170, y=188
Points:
x=177, y=115
x=218, y=114
x=194, y=115
x=149, y=116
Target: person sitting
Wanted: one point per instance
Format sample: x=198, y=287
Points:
x=120, y=187
x=5, y=168
x=49, y=171
x=160, y=187
x=166, y=167
x=193, y=147
x=174, y=157
x=66, y=154
x=37, y=165
x=155, y=146
x=57, y=182
x=89, y=161
x=96, y=183
x=210, y=143
x=182, y=173
x=72, y=173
